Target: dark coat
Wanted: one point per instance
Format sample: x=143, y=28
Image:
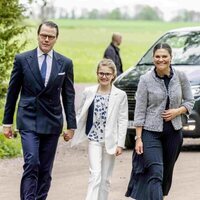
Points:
x=112, y=53
x=39, y=107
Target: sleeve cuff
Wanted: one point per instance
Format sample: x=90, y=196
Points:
x=7, y=125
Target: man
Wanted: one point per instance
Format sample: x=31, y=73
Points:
x=41, y=76
x=112, y=52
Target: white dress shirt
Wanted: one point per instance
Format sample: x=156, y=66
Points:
x=49, y=59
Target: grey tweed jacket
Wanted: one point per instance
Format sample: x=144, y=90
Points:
x=151, y=99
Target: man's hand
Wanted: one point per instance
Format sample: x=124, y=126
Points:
x=68, y=135
x=7, y=131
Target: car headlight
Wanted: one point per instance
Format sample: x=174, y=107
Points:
x=196, y=90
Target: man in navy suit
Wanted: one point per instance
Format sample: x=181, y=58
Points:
x=41, y=76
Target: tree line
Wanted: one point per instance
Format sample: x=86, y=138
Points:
x=12, y=15
x=138, y=12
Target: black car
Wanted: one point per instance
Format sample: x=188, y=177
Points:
x=185, y=43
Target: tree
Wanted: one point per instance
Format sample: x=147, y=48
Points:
x=47, y=10
x=115, y=14
x=93, y=14
x=11, y=16
x=187, y=16
x=148, y=13
x=41, y=9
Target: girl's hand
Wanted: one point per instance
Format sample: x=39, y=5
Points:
x=118, y=151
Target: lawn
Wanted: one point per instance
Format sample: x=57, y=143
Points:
x=84, y=41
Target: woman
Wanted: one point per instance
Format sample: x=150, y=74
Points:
x=163, y=95
x=103, y=120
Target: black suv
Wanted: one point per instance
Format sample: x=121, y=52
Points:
x=185, y=43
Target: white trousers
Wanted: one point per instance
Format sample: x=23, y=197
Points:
x=101, y=166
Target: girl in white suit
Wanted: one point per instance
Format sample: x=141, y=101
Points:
x=102, y=119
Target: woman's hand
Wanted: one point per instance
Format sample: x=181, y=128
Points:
x=139, y=146
x=170, y=114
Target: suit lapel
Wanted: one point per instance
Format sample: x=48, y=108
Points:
x=89, y=98
x=55, y=69
x=112, y=100
x=34, y=66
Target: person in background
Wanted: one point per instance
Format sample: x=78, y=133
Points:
x=40, y=76
x=102, y=120
x=163, y=95
x=113, y=52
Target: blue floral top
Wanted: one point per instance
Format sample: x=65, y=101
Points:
x=97, y=132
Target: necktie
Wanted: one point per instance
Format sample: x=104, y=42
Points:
x=44, y=68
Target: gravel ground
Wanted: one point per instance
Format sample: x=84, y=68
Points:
x=70, y=173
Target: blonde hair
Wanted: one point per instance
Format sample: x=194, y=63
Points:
x=108, y=63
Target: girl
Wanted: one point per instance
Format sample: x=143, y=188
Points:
x=102, y=119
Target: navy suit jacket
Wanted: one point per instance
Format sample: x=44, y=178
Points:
x=39, y=107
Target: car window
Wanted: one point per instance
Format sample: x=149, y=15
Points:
x=185, y=48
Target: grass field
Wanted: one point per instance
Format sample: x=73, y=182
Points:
x=84, y=41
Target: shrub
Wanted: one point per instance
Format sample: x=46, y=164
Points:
x=10, y=147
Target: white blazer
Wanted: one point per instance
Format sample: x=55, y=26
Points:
x=116, y=122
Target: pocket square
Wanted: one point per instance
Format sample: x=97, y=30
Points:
x=62, y=73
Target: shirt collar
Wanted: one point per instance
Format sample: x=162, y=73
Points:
x=115, y=47
x=40, y=53
x=165, y=76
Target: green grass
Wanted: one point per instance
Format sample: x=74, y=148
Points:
x=84, y=41
x=9, y=148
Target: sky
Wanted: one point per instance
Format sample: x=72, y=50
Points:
x=168, y=7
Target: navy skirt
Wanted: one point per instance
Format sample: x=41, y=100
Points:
x=152, y=171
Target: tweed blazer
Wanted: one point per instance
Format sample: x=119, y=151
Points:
x=151, y=99
x=116, y=120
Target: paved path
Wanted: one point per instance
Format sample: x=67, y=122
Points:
x=70, y=173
